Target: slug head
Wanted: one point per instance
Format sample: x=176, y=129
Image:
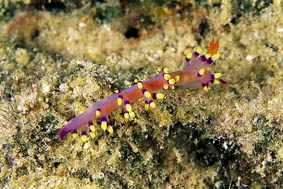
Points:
x=196, y=73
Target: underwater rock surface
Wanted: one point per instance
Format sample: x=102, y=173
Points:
x=59, y=58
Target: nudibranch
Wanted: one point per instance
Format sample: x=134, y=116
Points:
x=195, y=75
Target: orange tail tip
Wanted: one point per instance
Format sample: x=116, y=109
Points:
x=213, y=47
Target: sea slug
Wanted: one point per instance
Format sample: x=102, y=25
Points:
x=195, y=75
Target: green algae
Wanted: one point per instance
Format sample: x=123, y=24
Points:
x=230, y=136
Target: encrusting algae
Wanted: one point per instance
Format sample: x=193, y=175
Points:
x=226, y=137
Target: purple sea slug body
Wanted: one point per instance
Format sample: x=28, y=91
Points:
x=195, y=75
